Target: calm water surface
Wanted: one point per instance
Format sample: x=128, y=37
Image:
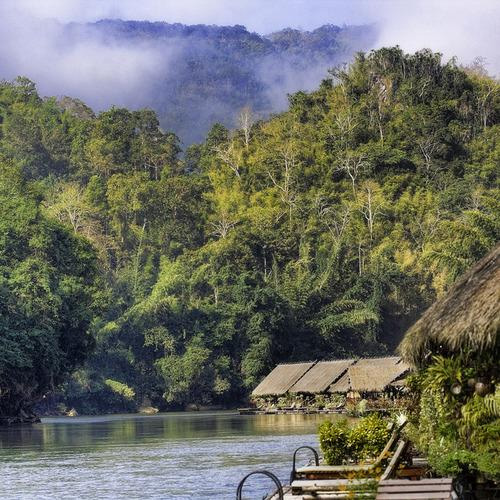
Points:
x=172, y=455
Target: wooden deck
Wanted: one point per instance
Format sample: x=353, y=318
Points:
x=304, y=486
x=392, y=489
x=425, y=489
x=287, y=495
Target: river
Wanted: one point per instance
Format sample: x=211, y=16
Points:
x=170, y=455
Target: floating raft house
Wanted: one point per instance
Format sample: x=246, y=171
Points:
x=366, y=375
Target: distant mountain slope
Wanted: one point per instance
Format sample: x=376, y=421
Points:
x=201, y=74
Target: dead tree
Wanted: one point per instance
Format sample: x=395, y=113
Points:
x=246, y=119
x=228, y=155
x=353, y=166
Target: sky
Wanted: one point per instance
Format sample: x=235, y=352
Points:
x=262, y=16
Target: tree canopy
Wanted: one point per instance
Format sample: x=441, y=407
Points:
x=48, y=296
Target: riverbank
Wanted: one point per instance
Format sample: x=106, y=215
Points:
x=22, y=418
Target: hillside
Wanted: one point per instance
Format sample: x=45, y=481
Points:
x=322, y=232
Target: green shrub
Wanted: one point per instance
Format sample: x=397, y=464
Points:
x=329, y=401
x=368, y=438
x=486, y=441
x=361, y=407
x=339, y=443
x=449, y=460
x=458, y=431
x=333, y=438
x=321, y=400
x=488, y=461
x=98, y=396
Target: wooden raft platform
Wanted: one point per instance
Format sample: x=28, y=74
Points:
x=290, y=411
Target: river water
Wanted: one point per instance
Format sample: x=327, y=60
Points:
x=171, y=455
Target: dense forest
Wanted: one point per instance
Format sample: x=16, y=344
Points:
x=322, y=232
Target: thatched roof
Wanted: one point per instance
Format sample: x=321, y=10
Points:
x=382, y=362
x=281, y=379
x=342, y=384
x=371, y=375
x=321, y=376
x=467, y=317
x=375, y=375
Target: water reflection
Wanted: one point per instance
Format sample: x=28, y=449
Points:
x=182, y=456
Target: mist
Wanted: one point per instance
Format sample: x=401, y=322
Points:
x=55, y=44
x=75, y=62
x=262, y=16
x=455, y=27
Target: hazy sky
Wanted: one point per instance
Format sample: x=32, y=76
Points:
x=262, y=16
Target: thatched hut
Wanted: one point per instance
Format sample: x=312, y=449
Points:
x=279, y=381
x=325, y=385
x=371, y=375
x=468, y=317
x=321, y=376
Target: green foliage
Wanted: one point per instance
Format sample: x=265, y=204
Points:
x=368, y=438
x=449, y=460
x=458, y=428
x=333, y=440
x=121, y=389
x=95, y=396
x=48, y=296
x=363, y=441
x=330, y=401
x=487, y=455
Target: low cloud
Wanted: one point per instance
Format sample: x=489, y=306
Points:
x=75, y=62
x=262, y=16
